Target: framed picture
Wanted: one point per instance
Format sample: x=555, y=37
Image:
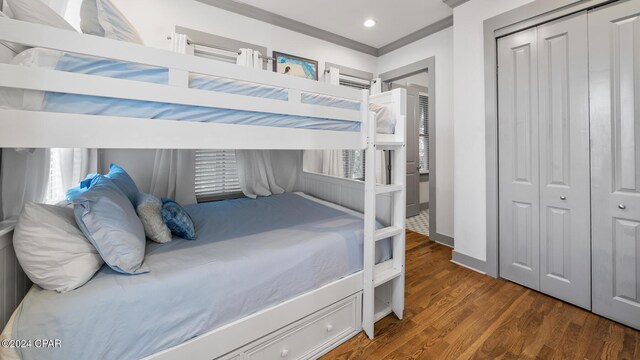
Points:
x=295, y=66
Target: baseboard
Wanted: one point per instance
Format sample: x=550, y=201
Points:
x=424, y=206
x=469, y=262
x=441, y=239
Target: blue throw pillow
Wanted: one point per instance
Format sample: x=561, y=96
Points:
x=119, y=177
x=77, y=190
x=109, y=221
x=177, y=219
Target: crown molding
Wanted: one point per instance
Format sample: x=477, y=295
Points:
x=454, y=3
x=302, y=28
x=415, y=36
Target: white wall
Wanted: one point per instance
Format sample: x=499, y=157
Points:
x=439, y=45
x=138, y=163
x=469, y=122
x=155, y=19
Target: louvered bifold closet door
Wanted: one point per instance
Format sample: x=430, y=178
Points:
x=518, y=158
x=563, y=93
x=614, y=56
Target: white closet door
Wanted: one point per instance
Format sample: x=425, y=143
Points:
x=518, y=156
x=614, y=55
x=565, y=236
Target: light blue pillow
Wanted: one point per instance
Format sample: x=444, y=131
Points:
x=124, y=182
x=177, y=219
x=119, y=177
x=107, y=218
x=77, y=190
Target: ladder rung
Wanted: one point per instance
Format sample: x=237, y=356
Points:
x=381, y=309
x=384, y=189
x=387, y=232
x=382, y=145
x=385, y=272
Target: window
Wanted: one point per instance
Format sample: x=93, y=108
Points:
x=353, y=160
x=216, y=172
x=216, y=175
x=424, y=134
x=353, y=164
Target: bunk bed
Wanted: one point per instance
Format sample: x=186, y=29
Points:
x=335, y=271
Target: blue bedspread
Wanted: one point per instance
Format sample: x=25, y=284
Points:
x=92, y=105
x=249, y=255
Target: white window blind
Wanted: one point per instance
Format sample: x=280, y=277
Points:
x=353, y=160
x=424, y=134
x=354, y=82
x=210, y=52
x=216, y=175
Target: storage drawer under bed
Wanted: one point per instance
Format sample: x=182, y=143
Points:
x=310, y=337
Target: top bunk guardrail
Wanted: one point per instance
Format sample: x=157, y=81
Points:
x=42, y=127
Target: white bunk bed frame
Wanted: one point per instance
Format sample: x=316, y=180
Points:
x=306, y=326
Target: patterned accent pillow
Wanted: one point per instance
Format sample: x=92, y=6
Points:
x=149, y=209
x=177, y=219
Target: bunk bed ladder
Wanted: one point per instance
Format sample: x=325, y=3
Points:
x=383, y=291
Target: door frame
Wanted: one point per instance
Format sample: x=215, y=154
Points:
x=428, y=65
x=533, y=14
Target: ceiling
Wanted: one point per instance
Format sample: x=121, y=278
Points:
x=395, y=19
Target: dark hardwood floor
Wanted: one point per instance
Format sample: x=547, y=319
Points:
x=454, y=313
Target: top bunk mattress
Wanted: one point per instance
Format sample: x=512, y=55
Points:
x=93, y=105
x=249, y=255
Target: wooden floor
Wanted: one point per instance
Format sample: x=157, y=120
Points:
x=455, y=313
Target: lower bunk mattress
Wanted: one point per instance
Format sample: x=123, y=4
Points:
x=249, y=255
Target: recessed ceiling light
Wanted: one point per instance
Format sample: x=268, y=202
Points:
x=370, y=23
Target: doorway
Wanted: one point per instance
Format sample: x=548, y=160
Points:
x=419, y=80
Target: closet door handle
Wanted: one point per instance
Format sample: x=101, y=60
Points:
x=622, y=206
x=563, y=198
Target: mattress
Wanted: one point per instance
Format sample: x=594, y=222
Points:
x=92, y=105
x=249, y=255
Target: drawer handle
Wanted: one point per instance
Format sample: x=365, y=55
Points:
x=284, y=353
x=329, y=328
x=563, y=198
x=622, y=206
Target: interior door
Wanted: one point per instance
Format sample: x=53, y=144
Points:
x=614, y=56
x=565, y=236
x=413, y=157
x=518, y=157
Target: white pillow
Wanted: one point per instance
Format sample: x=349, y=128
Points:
x=385, y=121
x=35, y=11
x=102, y=18
x=149, y=210
x=52, y=250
